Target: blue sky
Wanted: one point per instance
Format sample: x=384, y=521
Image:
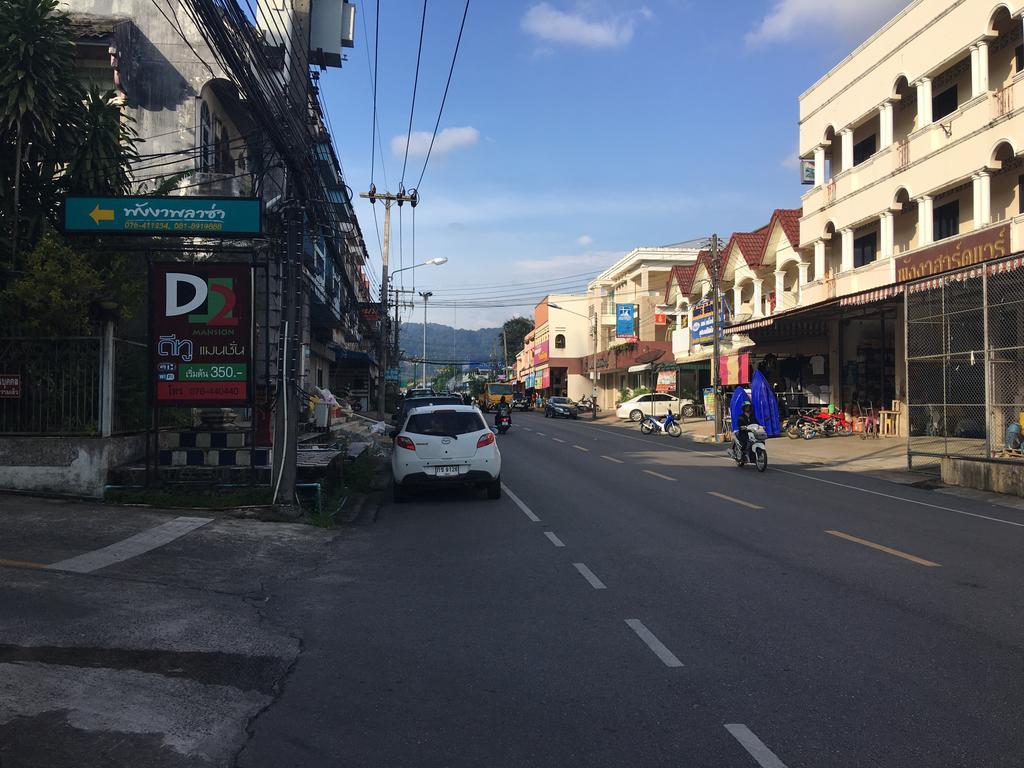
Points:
x=575, y=131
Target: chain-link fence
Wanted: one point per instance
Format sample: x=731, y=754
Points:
x=965, y=364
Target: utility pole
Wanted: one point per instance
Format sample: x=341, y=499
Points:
x=593, y=394
x=286, y=428
x=426, y=295
x=387, y=198
x=504, y=344
x=716, y=368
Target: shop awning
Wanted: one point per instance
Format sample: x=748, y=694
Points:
x=639, y=368
x=352, y=357
x=869, y=297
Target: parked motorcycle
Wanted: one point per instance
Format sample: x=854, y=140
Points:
x=650, y=425
x=755, y=450
x=586, y=404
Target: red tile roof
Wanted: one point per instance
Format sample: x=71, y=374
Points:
x=682, y=275
x=789, y=219
x=752, y=244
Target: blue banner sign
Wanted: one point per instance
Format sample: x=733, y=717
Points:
x=702, y=327
x=625, y=321
x=165, y=216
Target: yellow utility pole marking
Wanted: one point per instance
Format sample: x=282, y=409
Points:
x=658, y=474
x=612, y=458
x=101, y=214
x=741, y=502
x=20, y=564
x=883, y=548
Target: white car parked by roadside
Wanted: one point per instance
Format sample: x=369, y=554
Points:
x=441, y=445
x=656, y=404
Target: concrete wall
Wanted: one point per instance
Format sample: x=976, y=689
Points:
x=74, y=466
x=1000, y=478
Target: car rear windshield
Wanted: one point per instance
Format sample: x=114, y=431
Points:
x=445, y=423
x=560, y=400
x=421, y=402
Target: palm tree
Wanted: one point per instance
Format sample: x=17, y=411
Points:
x=40, y=98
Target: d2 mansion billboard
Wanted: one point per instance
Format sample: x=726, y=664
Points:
x=201, y=333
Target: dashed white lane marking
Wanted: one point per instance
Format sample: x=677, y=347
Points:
x=667, y=657
x=541, y=433
x=658, y=474
x=613, y=459
x=519, y=503
x=131, y=547
x=558, y=439
x=554, y=539
x=757, y=749
x=588, y=574
x=734, y=500
x=581, y=448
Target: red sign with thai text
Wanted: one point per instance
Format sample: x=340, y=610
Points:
x=10, y=385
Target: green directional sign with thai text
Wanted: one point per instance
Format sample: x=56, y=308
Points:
x=164, y=216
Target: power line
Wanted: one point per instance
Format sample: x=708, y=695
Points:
x=415, y=83
x=444, y=98
x=373, y=128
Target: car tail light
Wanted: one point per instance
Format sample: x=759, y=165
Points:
x=485, y=440
x=404, y=442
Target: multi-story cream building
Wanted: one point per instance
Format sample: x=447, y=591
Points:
x=639, y=279
x=915, y=216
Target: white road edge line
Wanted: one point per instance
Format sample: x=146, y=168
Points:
x=588, y=574
x=519, y=503
x=710, y=454
x=667, y=657
x=133, y=546
x=612, y=458
x=554, y=539
x=757, y=749
x=902, y=498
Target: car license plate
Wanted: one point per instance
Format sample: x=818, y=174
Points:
x=446, y=471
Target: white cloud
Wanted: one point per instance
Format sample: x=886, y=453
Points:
x=447, y=140
x=545, y=22
x=796, y=19
x=792, y=160
x=578, y=262
x=584, y=240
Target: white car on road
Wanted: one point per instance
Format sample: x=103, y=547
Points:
x=637, y=407
x=441, y=445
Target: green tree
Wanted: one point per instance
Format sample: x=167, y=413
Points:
x=106, y=148
x=515, y=331
x=40, y=106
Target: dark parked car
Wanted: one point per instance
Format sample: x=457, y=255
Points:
x=560, y=406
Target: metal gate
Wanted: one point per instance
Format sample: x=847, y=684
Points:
x=965, y=364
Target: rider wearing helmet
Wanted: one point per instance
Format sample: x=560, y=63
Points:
x=747, y=418
x=503, y=407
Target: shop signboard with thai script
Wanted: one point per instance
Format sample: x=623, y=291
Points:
x=10, y=386
x=702, y=327
x=625, y=321
x=164, y=216
x=955, y=253
x=666, y=381
x=201, y=333
x=541, y=353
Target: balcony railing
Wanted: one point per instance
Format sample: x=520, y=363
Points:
x=1002, y=102
x=902, y=154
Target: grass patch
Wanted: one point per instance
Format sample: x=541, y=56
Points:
x=211, y=498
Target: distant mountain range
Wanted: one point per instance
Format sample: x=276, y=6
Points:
x=445, y=344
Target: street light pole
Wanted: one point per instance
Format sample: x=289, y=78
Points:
x=436, y=262
x=426, y=295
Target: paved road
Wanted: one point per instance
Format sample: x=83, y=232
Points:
x=630, y=600
x=664, y=609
